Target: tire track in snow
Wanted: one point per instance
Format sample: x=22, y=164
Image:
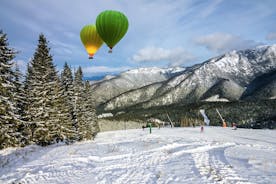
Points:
x=141, y=167
x=126, y=171
x=138, y=167
x=214, y=168
x=59, y=171
x=56, y=175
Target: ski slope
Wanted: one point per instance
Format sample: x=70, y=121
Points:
x=168, y=155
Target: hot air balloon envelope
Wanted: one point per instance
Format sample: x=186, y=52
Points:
x=90, y=39
x=111, y=26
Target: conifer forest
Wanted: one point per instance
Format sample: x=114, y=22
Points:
x=42, y=106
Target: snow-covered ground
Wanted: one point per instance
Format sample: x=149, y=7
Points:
x=177, y=155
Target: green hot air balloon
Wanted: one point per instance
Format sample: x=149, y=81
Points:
x=111, y=26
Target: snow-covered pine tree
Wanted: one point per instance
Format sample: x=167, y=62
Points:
x=29, y=100
x=87, y=125
x=28, y=91
x=68, y=88
x=41, y=80
x=90, y=111
x=19, y=93
x=78, y=101
x=20, y=103
x=61, y=117
x=9, y=121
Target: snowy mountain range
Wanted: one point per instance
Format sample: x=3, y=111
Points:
x=112, y=86
x=236, y=75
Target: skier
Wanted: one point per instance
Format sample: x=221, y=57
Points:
x=201, y=129
x=234, y=126
x=143, y=127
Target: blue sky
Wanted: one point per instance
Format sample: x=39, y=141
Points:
x=161, y=33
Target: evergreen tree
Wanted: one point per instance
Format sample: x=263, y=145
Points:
x=78, y=100
x=40, y=81
x=19, y=93
x=68, y=89
x=20, y=103
x=30, y=128
x=9, y=119
x=61, y=117
x=90, y=112
x=87, y=125
x=28, y=89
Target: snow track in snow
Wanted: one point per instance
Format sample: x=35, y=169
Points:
x=169, y=156
x=212, y=165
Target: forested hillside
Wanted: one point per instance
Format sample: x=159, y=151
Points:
x=244, y=113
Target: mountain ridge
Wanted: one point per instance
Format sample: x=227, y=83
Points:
x=237, y=68
x=132, y=79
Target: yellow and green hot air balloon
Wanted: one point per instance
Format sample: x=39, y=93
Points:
x=111, y=26
x=90, y=39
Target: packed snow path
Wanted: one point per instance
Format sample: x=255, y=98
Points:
x=178, y=155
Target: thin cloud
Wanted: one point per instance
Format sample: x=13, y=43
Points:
x=88, y=71
x=210, y=8
x=175, y=56
x=271, y=36
x=63, y=48
x=223, y=42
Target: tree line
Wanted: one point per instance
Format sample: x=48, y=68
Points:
x=43, y=107
x=243, y=113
